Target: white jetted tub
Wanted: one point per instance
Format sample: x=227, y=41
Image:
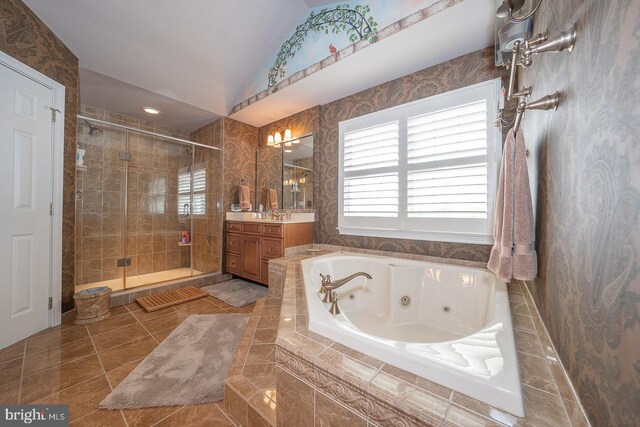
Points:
x=448, y=324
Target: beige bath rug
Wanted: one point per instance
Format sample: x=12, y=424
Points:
x=237, y=292
x=187, y=368
x=169, y=298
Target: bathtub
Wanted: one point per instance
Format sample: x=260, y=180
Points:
x=448, y=324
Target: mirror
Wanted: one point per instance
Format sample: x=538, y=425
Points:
x=284, y=176
x=297, y=175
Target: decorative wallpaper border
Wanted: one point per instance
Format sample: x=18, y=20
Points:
x=388, y=31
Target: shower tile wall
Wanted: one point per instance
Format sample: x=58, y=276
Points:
x=153, y=228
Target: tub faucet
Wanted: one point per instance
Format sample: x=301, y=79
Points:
x=328, y=286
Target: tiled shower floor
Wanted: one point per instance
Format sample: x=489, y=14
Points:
x=80, y=365
x=142, y=280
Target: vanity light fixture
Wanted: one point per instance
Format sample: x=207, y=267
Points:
x=151, y=110
x=276, y=139
x=287, y=137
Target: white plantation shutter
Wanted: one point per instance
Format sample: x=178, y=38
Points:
x=447, y=156
x=370, y=188
x=371, y=195
x=424, y=170
x=184, y=191
x=198, y=206
x=371, y=182
x=199, y=187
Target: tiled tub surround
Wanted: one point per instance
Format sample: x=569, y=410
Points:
x=316, y=378
x=446, y=323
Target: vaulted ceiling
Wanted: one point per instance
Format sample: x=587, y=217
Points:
x=191, y=58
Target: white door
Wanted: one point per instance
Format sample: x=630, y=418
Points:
x=26, y=145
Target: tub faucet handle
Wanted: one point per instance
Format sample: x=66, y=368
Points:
x=325, y=279
x=334, y=309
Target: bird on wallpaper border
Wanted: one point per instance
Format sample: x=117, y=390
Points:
x=333, y=49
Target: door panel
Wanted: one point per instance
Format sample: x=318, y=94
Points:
x=25, y=223
x=250, y=258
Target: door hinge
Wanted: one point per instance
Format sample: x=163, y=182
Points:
x=51, y=209
x=127, y=157
x=53, y=113
x=50, y=303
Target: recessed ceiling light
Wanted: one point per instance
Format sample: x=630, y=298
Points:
x=151, y=110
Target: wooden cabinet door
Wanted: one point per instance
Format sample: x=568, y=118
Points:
x=250, y=258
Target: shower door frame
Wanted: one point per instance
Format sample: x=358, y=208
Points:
x=125, y=189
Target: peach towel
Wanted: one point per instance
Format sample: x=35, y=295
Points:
x=272, y=198
x=245, y=198
x=513, y=254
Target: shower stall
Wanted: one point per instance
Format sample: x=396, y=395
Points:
x=148, y=206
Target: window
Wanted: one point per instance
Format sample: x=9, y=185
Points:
x=426, y=170
x=184, y=190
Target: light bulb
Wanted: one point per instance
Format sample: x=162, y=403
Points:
x=270, y=140
x=278, y=138
x=287, y=134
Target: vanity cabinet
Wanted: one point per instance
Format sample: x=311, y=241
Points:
x=250, y=245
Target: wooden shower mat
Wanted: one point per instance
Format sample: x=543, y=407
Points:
x=169, y=298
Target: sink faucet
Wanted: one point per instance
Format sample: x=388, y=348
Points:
x=329, y=286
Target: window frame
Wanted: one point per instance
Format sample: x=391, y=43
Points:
x=404, y=227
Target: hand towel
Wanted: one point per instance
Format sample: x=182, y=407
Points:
x=245, y=198
x=272, y=198
x=513, y=254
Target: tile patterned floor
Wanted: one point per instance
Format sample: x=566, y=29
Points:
x=80, y=365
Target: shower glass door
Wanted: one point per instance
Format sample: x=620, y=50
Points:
x=158, y=220
x=148, y=208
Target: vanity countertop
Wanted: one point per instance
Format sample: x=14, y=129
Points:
x=296, y=218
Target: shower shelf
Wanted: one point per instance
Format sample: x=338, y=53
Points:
x=184, y=244
x=81, y=168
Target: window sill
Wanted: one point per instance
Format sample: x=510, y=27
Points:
x=476, y=239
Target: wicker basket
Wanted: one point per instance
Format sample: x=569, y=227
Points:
x=92, y=305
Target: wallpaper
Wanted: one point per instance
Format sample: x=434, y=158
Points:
x=27, y=38
x=466, y=70
x=587, y=157
x=268, y=173
x=240, y=142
